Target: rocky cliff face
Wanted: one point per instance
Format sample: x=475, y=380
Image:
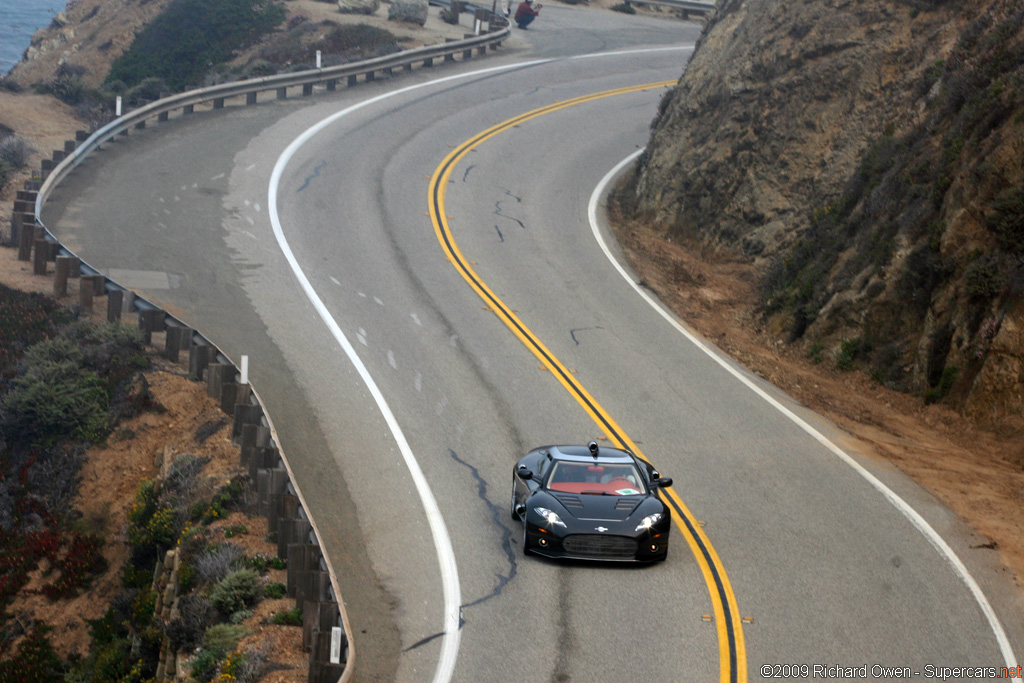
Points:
x=866, y=157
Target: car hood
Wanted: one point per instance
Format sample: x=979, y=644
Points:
x=599, y=508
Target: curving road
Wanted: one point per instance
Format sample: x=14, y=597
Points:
x=403, y=398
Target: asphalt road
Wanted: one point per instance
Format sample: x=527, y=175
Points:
x=820, y=566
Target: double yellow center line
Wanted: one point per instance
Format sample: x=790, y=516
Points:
x=732, y=653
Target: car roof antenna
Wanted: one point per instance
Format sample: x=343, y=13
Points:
x=593, y=449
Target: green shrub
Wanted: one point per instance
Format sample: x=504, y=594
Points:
x=148, y=90
x=55, y=399
x=236, y=530
x=181, y=43
x=847, y=353
x=936, y=394
x=260, y=67
x=223, y=638
x=984, y=278
x=258, y=562
x=35, y=661
x=236, y=591
x=14, y=151
x=291, y=617
x=274, y=591
x=1008, y=218
x=125, y=644
x=358, y=39
x=815, y=353
x=186, y=577
x=67, y=85
x=204, y=666
x=241, y=615
x=624, y=7
x=449, y=17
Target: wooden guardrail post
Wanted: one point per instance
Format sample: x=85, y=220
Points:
x=253, y=436
x=60, y=279
x=152, y=320
x=115, y=300
x=40, y=256
x=245, y=414
x=217, y=376
x=27, y=239
x=178, y=339
x=85, y=294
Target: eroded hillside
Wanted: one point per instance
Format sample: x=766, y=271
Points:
x=865, y=158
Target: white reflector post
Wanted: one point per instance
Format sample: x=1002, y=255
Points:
x=476, y=29
x=335, y=645
x=318, y=59
x=245, y=369
x=117, y=106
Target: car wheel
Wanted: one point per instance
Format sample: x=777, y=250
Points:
x=526, y=541
x=512, y=509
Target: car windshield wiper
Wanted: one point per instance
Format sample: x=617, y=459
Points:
x=593, y=492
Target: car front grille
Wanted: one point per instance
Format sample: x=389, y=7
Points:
x=599, y=546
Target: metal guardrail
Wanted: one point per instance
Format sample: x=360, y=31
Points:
x=217, y=95
x=688, y=5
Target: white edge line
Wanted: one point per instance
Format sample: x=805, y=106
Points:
x=919, y=522
x=442, y=541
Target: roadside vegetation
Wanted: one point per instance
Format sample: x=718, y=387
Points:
x=189, y=36
x=67, y=384
x=295, y=48
x=14, y=155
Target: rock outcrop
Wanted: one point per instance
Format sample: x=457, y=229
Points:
x=866, y=157
x=412, y=11
x=358, y=6
x=85, y=39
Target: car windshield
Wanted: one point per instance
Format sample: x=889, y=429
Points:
x=613, y=479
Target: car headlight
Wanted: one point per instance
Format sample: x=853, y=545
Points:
x=648, y=521
x=550, y=517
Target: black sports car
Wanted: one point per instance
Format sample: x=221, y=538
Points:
x=590, y=502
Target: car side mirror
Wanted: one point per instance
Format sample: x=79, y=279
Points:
x=664, y=481
x=524, y=474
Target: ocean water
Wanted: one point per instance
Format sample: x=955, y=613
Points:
x=19, y=19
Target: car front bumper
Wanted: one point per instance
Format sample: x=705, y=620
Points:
x=646, y=546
